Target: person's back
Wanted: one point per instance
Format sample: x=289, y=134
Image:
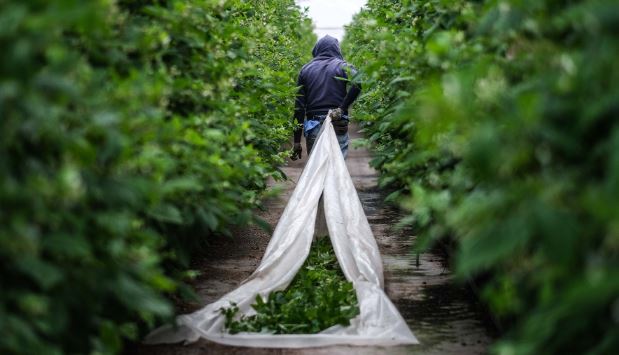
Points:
x=322, y=86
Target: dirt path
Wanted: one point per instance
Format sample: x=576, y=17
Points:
x=445, y=318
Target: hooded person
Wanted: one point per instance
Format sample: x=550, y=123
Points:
x=324, y=85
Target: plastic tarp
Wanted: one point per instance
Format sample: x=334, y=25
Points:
x=379, y=323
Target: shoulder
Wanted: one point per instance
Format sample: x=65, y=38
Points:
x=303, y=70
x=348, y=68
x=306, y=66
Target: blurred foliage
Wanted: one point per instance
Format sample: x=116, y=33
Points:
x=130, y=131
x=496, y=123
x=318, y=298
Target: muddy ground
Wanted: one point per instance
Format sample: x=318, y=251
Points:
x=444, y=316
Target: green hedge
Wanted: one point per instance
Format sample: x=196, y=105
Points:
x=496, y=123
x=130, y=131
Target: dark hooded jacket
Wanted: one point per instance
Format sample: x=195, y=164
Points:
x=320, y=82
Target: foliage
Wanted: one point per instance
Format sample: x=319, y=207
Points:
x=496, y=123
x=319, y=297
x=232, y=67
x=130, y=131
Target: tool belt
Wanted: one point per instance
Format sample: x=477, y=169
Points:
x=340, y=126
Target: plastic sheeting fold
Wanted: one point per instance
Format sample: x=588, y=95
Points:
x=379, y=323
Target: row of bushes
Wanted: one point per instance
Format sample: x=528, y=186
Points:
x=496, y=123
x=130, y=130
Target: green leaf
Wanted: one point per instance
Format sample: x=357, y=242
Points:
x=166, y=213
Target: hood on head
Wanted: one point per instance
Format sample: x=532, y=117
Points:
x=327, y=46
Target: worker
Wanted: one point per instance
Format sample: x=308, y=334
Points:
x=324, y=83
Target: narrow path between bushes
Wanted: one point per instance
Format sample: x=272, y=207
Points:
x=445, y=317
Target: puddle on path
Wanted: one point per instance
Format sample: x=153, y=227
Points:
x=444, y=316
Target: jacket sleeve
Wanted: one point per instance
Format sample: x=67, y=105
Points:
x=299, y=110
x=353, y=92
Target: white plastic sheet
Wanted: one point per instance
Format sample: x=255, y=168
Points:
x=378, y=323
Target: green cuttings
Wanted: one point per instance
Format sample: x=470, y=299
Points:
x=319, y=297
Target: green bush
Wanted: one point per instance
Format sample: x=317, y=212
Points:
x=496, y=123
x=130, y=132
x=231, y=68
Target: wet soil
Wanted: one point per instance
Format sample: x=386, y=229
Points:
x=443, y=315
